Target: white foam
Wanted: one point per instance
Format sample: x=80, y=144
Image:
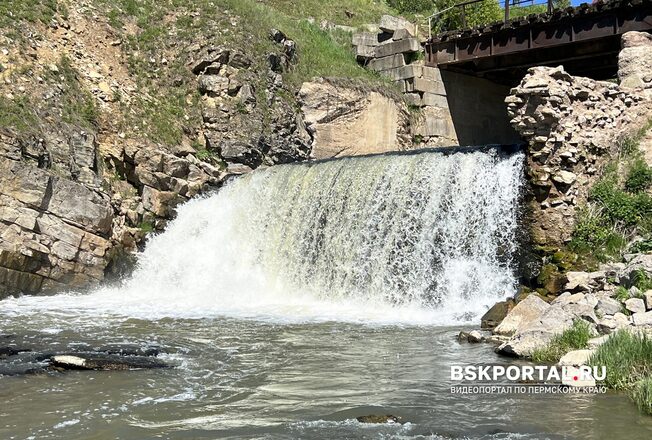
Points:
x=416, y=239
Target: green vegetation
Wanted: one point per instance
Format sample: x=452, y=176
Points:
x=619, y=208
x=574, y=338
x=146, y=226
x=628, y=358
x=14, y=11
x=476, y=14
x=622, y=294
x=78, y=104
x=25, y=112
x=639, y=176
x=642, y=395
x=239, y=24
x=642, y=281
x=17, y=113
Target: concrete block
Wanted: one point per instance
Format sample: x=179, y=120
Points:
x=401, y=34
x=389, y=23
x=435, y=100
x=385, y=37
x=425, y=85
x=413, y=99
x=402, y=46
x=401, y=83
x=405, y=72
x=365, y=52
x=432, y=74
x=435, y=121
x=385, y=63
x=365, y=39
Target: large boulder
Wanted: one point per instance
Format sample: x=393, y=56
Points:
x=496, y=314
x=526, y=311
x=608, y=306
x=537, y=333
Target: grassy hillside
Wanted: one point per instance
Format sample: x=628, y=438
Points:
x=145, y=47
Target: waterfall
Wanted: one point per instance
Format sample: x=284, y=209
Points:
x=424, y=237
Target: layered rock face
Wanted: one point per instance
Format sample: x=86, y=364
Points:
x=54, y=231
x=349, y=121
x=60, y=227
x=240, y=129
x=572, y=126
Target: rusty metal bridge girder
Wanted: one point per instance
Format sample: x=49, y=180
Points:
x=585, y=43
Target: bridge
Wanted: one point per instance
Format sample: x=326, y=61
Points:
x=585, y=40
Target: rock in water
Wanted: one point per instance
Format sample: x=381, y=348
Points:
x=530, y=309
x=496, y=314
x=84, y=361
x=576, y=358
x=373, y=418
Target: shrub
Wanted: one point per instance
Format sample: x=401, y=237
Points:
x=621, y=206
x=412, y=6
x=574, y=338
x=627, y=357
x=642, y=280
x=476, y=14
x=639, y=177
x=595, y=238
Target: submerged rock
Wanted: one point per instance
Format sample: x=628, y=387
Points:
x=473, y=336
x=11, y=351
x=373, y=418
x=130, y=350
x=94, y=361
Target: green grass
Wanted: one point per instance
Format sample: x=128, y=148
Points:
x=622, y=294
x=628, y=360
x=619, y=208
x=17, y=113
x=642, y=395
x=627, y=357
x=639, y=176
x=13, y=12
x=26, y=114
x=642, y=280
x=574, y=338
x=78, y=104
x=596, y=239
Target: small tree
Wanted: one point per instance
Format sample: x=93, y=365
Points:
x=477, y=14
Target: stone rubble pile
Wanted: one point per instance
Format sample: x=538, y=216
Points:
x=393, y=52
x=607, y=299
x=573, y=127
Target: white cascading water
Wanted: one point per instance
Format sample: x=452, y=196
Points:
x=422, y=238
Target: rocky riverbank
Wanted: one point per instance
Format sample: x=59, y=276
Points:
x=617, y=296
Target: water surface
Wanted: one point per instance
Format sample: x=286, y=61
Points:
x=251, y=379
